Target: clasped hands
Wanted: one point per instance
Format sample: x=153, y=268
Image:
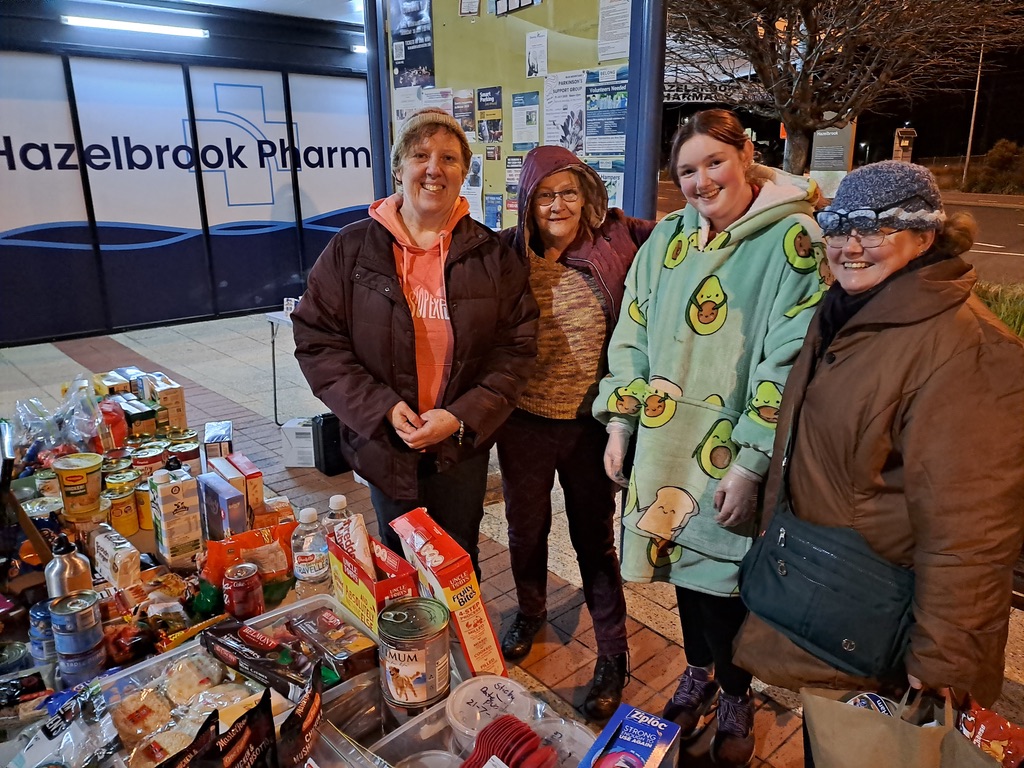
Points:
x=421, y=430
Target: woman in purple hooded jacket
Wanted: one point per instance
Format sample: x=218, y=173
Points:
x=579, y=252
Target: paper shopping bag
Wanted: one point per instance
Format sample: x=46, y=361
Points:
x=845, y=736
x=956, y=751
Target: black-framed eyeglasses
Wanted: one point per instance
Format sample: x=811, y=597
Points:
x=864, y=220
x=547, y=199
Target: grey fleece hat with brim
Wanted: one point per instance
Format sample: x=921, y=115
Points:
x=901, y=195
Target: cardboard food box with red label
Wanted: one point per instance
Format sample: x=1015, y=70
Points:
x=445, y=568
x=366, y=594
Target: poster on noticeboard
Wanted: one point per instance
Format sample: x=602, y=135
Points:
x=412, y=43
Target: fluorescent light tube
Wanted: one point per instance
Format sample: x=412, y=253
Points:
x=359, y=49
x=133, y=26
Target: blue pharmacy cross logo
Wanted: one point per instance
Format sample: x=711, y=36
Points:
x=240, y=144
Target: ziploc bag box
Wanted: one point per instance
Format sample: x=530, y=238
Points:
x=635, y=739
x=446, y=570
x=363, y=594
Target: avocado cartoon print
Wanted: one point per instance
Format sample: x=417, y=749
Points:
x=720, y=241
x=628, y=400
x=636, y=314
x=716, y=451
x=678, y=246
x=799, y=249
x=707, y=309
x=825, y=280
x=663, y=520
x=660, y=402
x=763, y=407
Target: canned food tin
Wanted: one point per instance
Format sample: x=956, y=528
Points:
x=187, y=454
x=80, y=480
x=113, y=466
x=42, y=507
x=14, y=657
x=413, y=652
x=123, y=516
x=148, y=459
x=243, y=591
x=133, y=442
x=46, y=483
x=144, y=505
x=161, y=444
x=183, y=436
x=82, y=525
x=74, y=643
x=39, y=617
x=81, y=667
x=117, y=453
x=76, y=611
x=123, y=481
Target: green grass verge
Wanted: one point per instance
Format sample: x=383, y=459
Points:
x=1006, y=301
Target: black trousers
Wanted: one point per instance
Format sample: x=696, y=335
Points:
x=710, y=624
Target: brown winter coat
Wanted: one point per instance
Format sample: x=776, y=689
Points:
x=911, y=431
x=354, y=343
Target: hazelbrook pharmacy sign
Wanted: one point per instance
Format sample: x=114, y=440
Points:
x=123, y=154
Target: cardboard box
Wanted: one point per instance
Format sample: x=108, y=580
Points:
x=176, y=519
x=253, y=483
x=228, y=471
x=217, y=436
x=222, y=508
x=362, y=594
x=446, y=570
x=634, y=738
x=110, y=383
x=171, y=395
x=297, y=443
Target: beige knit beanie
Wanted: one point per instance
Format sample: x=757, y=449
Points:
x=413, y=128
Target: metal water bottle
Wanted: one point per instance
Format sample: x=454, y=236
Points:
x=69, y=571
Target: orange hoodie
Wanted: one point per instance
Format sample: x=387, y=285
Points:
x=421, y=275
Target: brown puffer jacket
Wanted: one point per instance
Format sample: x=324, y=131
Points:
x=911, y=432
x=354, y=343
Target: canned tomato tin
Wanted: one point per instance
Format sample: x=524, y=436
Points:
x=123, y=516
x=123, y=481
x=148, y=459
x=413, y=652
x=75, y=612
x=39, y=617
x=74, y=643
x=46, y=483
x=243, y=591
x=144, y=505
x=81, y=667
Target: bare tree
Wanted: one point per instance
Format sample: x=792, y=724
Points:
x=812, y=57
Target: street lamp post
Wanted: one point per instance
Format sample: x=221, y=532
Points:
x=867, y=151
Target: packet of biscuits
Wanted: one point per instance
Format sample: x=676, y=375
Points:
x=341, y=646
x=993, y=734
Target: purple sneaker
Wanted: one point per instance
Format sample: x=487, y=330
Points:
x=733, y=742
x=691, y=705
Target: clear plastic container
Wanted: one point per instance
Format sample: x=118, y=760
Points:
x=432, y=758
x=480, y=700
x=569, y=739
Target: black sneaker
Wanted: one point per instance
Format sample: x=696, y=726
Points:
x=610, y=675
x=518, y=641
x=733, y=743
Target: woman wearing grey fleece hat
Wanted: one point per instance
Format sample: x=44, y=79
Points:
x=906, y=407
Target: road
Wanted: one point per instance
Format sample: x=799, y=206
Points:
x=998, y=255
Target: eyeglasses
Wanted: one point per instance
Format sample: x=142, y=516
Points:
x=862, y=219
x=865, y=239
x=547, y=199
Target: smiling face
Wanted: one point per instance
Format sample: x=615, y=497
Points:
x=558, y=223
x=431, y=175
x=712, y=177
x=860, y=269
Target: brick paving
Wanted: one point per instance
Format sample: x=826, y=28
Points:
x=563, y=655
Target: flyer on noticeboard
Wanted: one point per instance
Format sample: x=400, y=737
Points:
x=412, y=42
x=564, y=100
x=525, y=121
x=605, y=120
x=489, y=115
x=464, y=110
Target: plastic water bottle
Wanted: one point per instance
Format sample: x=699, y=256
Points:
x=309, y=555
x=337, y=509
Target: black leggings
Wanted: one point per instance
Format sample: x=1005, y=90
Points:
x=710, y=624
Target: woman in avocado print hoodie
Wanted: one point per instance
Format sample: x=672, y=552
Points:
x=714, y=312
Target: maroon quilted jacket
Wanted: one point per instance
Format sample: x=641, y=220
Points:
x=354, y=343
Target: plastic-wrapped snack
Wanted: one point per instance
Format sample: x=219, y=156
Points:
x=347, y=650
x=194, y=673
x=160, y=746
x=203, y=742
x=252, y=735
x=140, y=714
x=299, y=731
x=79, y=734
x=352, y=537
x=220, y=696
x=993, y=734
